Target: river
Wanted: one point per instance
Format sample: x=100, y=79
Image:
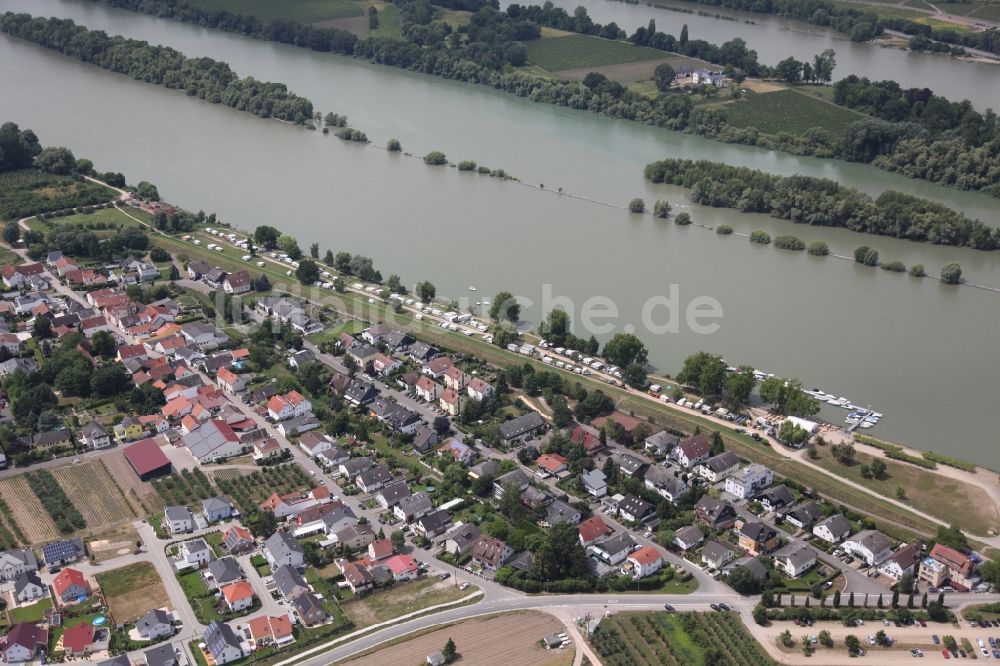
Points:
x=776, y=38
x=916, y=350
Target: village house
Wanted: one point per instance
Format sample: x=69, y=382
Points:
x=427, y=389
x=373, y=478
x=237, y=283
x=459, y=451
x=461, y=538
x=28, y=587
x=268, y=630
x=945, y=564
x=521, y=428
x=634, y=509
x=688, y=537
x=794, y=559
x=614, y=549
x=215, y=509
x=24, y=642
x=69, y=585
x=749, y=481
x=593, y=529
x=594, y=482
x=661, y=443
x=432, y=524
x=718, y=468
x=230, y=382
x=194, y=554
x=222, y=643
x=756, y=538
x=178, y=519
x=450, y=402
x=692, y=451
x=629, y=465
x=776, y=498
x=154, y=624
x=357, y=577
x=905, y=560
x=491, y=553
x=803, y=515
x=62, y=552
x=643, y=562
x=667, y=482
x=479, y=389
x=551, y=464
x=390, y=494
x=292, y=404
x=833, y=529
x=403, y=567
x=238, y=596
x=280, y=548
x=716, y=555
x=869, y=545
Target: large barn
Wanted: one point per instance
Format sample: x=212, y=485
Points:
x=147, y=460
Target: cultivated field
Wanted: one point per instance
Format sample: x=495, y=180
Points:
x=138, y=492
x=95, y=494
x=631, y=72
x=249, y=490
x=687, y=639
x=500, y=640
x=789, y=111
x=133, y=590
x=31, y=517
x=303, y=11
x=577, y=51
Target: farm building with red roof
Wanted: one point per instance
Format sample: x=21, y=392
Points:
x=147, y=460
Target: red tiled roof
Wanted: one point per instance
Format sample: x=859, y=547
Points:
x=951, y=558
x=145, y=456
x=646, y=555
x=551, y=461
x=401, y=564
x=79, y=638
x=593, y=528
x=237, y=591
x=66, y=578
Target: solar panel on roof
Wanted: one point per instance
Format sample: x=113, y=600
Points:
x=59, y=550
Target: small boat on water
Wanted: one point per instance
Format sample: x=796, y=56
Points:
x=852, y=420
x=866, y=424
x=836, y=402
x=472, y=288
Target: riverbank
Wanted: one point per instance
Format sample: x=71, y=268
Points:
x=360, y=303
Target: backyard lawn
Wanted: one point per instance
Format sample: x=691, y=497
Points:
x=32, y=613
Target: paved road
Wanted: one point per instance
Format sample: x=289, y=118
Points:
x=577, y=605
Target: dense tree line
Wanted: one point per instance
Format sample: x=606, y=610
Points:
x=859, y=24
x=205, y=78
x=17, y=147
x=331, y=40
x=823, y=202
x=484, y=51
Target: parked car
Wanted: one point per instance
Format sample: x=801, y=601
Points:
x=668, y=608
